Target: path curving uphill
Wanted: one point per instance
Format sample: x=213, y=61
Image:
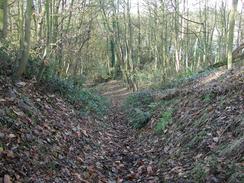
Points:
x=119, y=158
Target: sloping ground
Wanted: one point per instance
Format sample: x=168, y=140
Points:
x=120, y=159
x=44, y=139
x=114, y=90
x=204, y=142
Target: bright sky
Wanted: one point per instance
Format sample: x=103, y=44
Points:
x=192, y=3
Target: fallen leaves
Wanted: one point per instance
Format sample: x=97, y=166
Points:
x=21, y=84
x=216, y=139
x=150, y=170
x=53, y=144
x=9, y=154
x=7, y=179
x=11, y=135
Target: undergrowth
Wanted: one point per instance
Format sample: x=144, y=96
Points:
x=183, y=79
x=141, y=106
x=137, y=107
x=86, y=101
x=164, y=120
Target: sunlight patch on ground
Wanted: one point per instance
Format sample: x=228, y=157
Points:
x=212, y=77
x=115, y=91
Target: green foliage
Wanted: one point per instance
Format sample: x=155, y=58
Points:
x=148, y=77
x=90, y=102
x=188, y=73
x=138, y=119
x=197, y=139
x=60, y=86
x=235, y=173
x=141, y=100
x=137, y=107
x=6, y=58
x=212, y=162
x=87, y=101
x=233, y=148
x=32, y=69
x=208, y=97
x=165, y=119
x=185, y=78
x=199, y=173
x=1, y=16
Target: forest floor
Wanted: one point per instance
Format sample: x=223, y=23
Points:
x=44, y=139
x=122, y=160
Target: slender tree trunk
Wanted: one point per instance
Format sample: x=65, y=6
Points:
x=139, y=34
x=177, y=56
x=231, y=33
x=47, y=50
x=238, y=40
x=27, y=35
x=5, y=19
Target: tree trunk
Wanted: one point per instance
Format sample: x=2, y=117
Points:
x=231, y=33
x=5, y=19
x=27, y=35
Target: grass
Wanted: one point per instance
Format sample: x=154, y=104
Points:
x=141, y=106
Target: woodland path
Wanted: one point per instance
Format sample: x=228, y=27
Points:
x=123, y=158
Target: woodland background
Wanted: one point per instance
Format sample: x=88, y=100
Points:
x=142, y=42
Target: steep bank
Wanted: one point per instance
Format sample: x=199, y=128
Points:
x=194, y=134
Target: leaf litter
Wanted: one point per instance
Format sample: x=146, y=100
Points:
x=44, y=139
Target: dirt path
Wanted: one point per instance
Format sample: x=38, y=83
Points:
x=121, y=158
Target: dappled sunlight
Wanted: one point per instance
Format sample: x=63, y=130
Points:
x=117, y=91
x=124, y=94
x=111, y=91
x=212, y=76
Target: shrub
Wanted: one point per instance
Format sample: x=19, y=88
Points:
x=85, y=101
x=138, y=119
x=89, y=102
x=141, y=100
x=137, y=107
x=60, y=86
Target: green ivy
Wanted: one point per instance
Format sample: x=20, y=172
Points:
x=165, y=119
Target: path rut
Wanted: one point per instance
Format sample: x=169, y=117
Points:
x=122, y=156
